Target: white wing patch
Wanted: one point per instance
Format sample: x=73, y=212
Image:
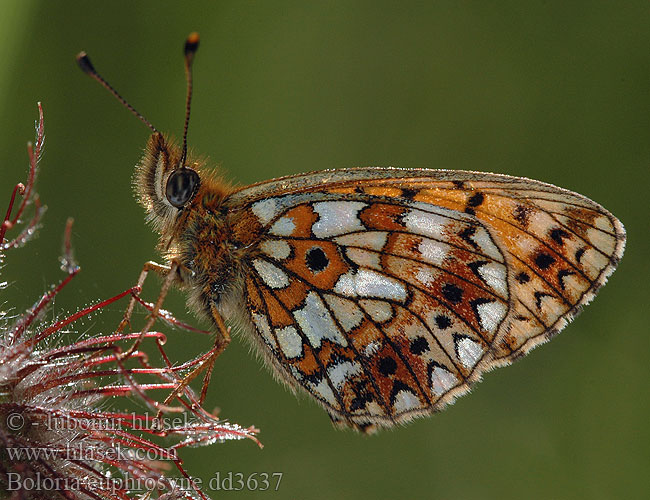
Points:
x=284, y=226
x=316, y=322
x=442, y=380
x=343, y=371
x=337, y=217
x=432, y=251
x=483, y=240
x=405, y=401
x=263, y=327
x=425, y=223
x=348, y=314
x=494, y=275
x=278, y=249
x=491, y=314
x=469, y=352
x=425, y=276
x=290, y=341
x=367, y=283
x=266, y=210
x=324, y=391
x=372, y=240
x=364, y=258
x=372, y=348
x=378, y=310
x=271, y=274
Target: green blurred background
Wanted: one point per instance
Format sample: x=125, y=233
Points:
x=556, y=91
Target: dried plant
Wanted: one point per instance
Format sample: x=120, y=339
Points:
x=58, y=433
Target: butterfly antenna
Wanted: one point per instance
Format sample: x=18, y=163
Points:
x=87, y=67
x=191, y=46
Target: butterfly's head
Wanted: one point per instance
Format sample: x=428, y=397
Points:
x=166, y=183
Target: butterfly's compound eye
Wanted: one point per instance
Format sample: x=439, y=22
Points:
x=182, y=186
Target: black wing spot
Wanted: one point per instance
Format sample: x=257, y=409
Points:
x=557, y=235
x=409, y=193
x=387, y=366
x=452, y=293
x=316, y=259
x=443, y=321
x=521, y=214
x=522, y=278
x=579, y=253
x=419, y=346
x=544, y=260
x=476, y=200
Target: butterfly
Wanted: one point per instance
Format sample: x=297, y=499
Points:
x=382, y=293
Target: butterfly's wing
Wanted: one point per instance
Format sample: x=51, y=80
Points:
x=385, y=292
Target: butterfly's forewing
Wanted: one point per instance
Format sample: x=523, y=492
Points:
x=386, y=292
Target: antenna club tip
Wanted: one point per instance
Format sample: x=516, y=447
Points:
x=192, y=43
x=84, y=63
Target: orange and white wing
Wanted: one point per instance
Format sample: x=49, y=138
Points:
x=385, y=293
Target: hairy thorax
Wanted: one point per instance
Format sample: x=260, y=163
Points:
x=213, y=251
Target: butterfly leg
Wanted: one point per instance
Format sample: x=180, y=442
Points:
x=148, y=266
x=222, y=339
x=169, y=272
